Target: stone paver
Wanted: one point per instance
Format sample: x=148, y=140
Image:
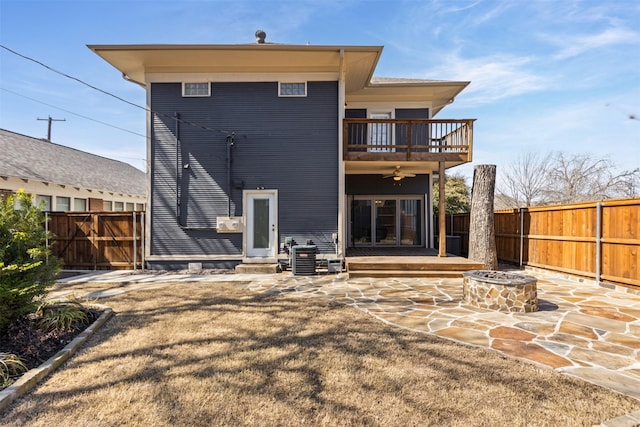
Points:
x=581, y=329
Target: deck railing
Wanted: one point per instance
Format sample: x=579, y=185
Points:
x=411, y=138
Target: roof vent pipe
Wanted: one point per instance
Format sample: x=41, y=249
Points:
x=260, y=36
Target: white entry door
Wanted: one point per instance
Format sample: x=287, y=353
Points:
x=261, y=217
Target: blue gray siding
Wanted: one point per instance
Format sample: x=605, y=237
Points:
x=288, y=144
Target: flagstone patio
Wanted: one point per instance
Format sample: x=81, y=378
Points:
x=580, y=329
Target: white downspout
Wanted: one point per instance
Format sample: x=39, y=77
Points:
x=341, y=177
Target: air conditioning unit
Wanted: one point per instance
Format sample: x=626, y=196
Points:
x=303, y=260
x=229, y=224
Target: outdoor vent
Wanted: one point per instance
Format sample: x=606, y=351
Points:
x=303, y=260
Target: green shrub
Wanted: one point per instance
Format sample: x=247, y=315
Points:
x=63, y=315
x=26, y=268
x=10, y=365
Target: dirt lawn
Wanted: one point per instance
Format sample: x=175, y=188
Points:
x=215, y=354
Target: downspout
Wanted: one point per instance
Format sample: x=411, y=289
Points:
x=177, y=134
x=342, y=213
x=230, y=144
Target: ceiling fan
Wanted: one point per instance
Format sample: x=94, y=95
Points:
x=397, y=174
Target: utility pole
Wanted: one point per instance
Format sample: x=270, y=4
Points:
x=49, y=127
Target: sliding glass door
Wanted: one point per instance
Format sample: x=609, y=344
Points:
x=386, y=221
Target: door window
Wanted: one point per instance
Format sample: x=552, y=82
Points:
x=380, y=134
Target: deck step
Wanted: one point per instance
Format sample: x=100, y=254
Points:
x=399, y=266
x=404, y=273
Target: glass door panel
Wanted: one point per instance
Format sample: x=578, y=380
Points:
x=380, y=134
x=386, y=221
x=410, y=230
x=261, y=224
x=361, y=222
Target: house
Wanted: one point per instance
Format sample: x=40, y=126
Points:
x=252, y=146
x=66, y=179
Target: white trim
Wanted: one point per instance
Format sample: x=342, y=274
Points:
x=147, y=231
x=273, y=239
x=342, y=205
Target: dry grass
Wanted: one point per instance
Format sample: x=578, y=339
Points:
x=217, y=355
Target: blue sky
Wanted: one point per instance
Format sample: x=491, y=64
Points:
x=545, y=75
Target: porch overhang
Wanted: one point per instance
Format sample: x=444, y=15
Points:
x=382, y=167
x=393, y=90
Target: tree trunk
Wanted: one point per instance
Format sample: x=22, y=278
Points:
x=482, y=237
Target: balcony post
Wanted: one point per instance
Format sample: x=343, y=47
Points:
x=442, y=220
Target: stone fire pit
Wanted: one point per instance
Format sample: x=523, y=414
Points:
x=499, y=290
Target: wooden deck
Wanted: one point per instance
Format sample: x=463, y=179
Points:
x=405, y=262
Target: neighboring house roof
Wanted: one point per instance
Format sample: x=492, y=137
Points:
x=31, y=158
x=144, y=63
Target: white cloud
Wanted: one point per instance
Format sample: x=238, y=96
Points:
x=573, y=46
x=492, y=78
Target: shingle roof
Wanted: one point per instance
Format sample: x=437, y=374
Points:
x=38, y=159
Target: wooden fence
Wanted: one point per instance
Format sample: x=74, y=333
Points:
x=98, y=240
x=599, y=240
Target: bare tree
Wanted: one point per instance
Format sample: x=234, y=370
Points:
x=556, y=177
x=525, y=180
x=581, y=177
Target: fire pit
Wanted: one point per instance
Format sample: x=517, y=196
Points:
x=499, y=290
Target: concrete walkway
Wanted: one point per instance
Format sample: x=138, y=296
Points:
x=583, y=330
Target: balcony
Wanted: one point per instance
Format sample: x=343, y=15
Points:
x=408, y=141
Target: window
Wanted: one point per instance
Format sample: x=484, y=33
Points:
x=139, y=207
x=106, y=205
x=63, y=204
x=44, y=199
x=79, y=204
x=130, y=207
x=292, y=89
x=196, y=89
x=118, y=206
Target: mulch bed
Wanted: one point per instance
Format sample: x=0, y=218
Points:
x=33, y=345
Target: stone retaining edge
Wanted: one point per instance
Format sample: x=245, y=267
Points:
x=30, y=378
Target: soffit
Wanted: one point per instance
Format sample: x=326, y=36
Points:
x=134, y=61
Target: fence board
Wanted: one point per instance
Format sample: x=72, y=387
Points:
x=564, y=238
x=97, y=240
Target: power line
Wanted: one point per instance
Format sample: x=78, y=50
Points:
x=169, y=116
x=75, y=114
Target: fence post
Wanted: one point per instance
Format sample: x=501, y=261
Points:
x=143, y=234
x=46, y=230
x=521, y=234
x=598, y=241
x=95, y=227
x=135, y=243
